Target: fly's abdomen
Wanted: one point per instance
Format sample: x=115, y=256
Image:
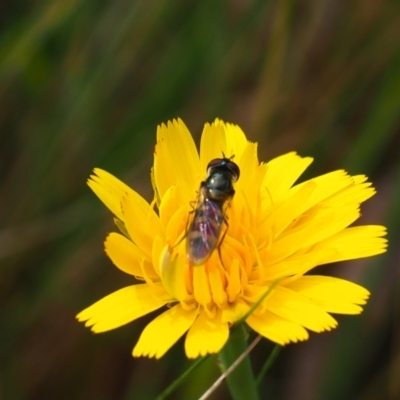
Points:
x=203, y=233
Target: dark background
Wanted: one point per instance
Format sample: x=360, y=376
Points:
x=84, y=83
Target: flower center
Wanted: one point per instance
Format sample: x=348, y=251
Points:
x=224, y=277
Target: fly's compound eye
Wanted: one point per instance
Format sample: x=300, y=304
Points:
x=224, y=164
x=234, y=168
x=217, y=162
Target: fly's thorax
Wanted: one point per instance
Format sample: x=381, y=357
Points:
x=219, y=186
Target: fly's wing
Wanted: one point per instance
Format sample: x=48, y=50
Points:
x=204, y=231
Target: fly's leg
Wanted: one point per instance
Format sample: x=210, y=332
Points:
x=222, y=239
x=193, y=204
x=225, y=222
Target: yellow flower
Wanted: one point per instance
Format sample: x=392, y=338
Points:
x=277, y=232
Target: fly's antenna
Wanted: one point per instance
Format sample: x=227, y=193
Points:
x=229, y=158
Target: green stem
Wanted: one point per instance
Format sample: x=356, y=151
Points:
x=268, y=364
x=178, y=382
x=241, y=382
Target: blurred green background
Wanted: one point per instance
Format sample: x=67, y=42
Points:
x=84, y=83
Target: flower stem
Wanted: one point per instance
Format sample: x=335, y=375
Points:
x=241, y=382
x=178, y=382
x=268, y=364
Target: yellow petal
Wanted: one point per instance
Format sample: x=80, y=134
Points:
x=354, y=193
x=234, y=311
x=121, y=226
x=212, y=145
x=220, y=139
x=277, y=329
x=124, y=254
x=297, y=264
x=283, y=172
x=234, y=284
x=123, y=306
x=177, y=228
x=206, y=336
x=248, y=182
x=298, y=309
x=236, y=141
x=169, y=206
x=109, y=190
x=164, y=331
x=201, y=287
x=158, y=247
x=327, y=185
x=289, y=210
x=334, y=295
x=217, y=287
x=354, y=242
x=141, y=222
x=174, y=271
x=176, y=161
x=313, y=227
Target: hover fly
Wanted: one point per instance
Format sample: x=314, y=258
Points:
x=215, y=195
